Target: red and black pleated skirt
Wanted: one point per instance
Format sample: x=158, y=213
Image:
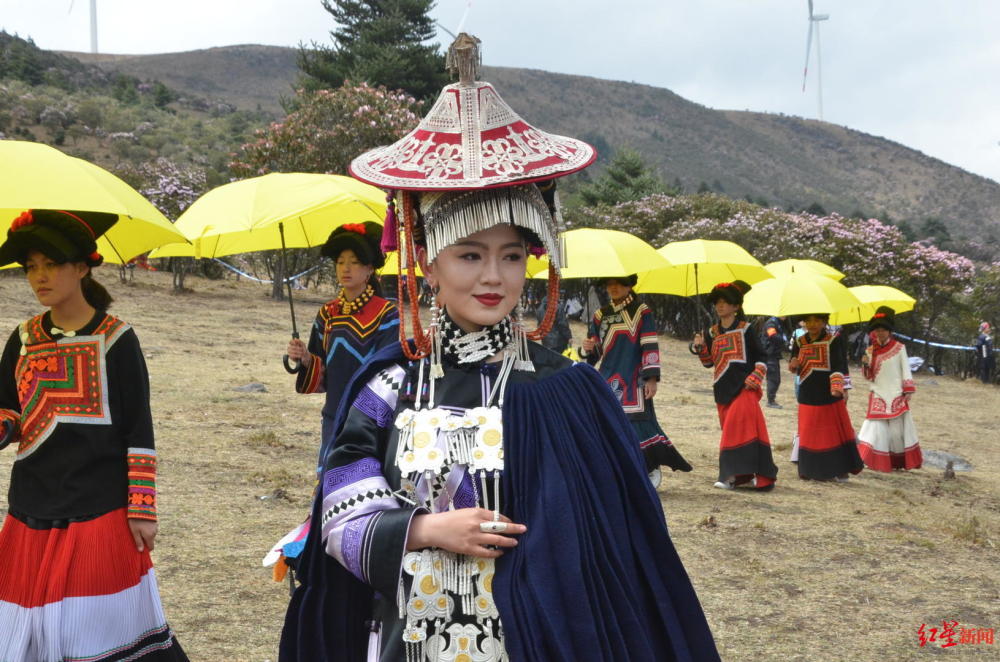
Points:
x=828, y=447
x=745, y=447
x=79, y=591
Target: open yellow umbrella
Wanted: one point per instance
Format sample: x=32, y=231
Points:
x=798, y=293
x=700, y=264
x=601, y=253
x=793, y=265
x=253, y=214
x=36, y=176
x=871, y=297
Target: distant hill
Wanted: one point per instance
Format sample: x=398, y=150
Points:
x=246, y=76
x=784, y=161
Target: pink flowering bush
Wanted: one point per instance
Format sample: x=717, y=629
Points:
x=327, y=130
x=170, y=187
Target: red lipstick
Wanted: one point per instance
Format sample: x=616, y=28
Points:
x=489, y=299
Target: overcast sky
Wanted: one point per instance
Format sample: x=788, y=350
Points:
x=921, y=72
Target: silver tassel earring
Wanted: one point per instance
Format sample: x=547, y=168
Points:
x=436, y=369
x=522, y=359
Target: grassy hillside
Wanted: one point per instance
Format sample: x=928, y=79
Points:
x=785, y=161
x=250, y=77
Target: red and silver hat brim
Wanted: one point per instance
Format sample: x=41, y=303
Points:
x=471, y=139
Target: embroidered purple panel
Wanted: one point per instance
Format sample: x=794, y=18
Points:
x=337, y=477
x=370, y=404
x=351, y=544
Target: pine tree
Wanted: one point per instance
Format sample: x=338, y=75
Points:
x=627, y=177
x=381, y=42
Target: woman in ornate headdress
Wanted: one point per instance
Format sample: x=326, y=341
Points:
x=350, y=328
x=76, y=579
x=827, y=448
x=731, y=348
x=622, y=336
x=888, y=437
x=485, y=498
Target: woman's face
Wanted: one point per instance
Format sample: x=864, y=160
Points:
x=882, y=335
x=480, y=277
x=54, y=284
x=725, y=309
x=616, y=289
x=351, y=273
x=815, y=325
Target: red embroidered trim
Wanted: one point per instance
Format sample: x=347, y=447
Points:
x=757, y=377
x=141, y=485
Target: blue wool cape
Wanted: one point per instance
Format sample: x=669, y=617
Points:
x=596, y=577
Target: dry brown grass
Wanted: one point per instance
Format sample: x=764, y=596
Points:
x=811, y=571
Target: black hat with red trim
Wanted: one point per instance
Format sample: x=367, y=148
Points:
x=361, y=238
x=884, y=317
x=61, y=235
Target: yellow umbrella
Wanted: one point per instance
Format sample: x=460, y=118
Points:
x=600, y=253
x=799, y=293
x=700, y=264
x=252, y=214
x=792, y=265
x=36, y=176
x=871, y=297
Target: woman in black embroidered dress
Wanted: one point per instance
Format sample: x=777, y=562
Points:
x=731, y=348
x=351, y=327
x=826, y=448
x=622, y=337
x=76, y=581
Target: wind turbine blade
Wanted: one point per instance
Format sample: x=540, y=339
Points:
x=465, y=15
x=810, y=9
x=809, y=38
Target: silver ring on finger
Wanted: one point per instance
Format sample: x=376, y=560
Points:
x=493, y=527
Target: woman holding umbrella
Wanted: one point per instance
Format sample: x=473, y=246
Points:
x=731, y=348
x=76, y=581
x=827, y=447
x=622, y=336
x=350, y=328
x=481, y=501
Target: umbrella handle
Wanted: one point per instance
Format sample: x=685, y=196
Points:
x=292, y=367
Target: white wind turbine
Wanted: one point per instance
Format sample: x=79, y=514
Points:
x=814, y=19
x=93, y=24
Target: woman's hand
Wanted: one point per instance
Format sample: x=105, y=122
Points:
x=793, y=364
x=143, y=532
x=649, y=388
x=698, y=343
x=589, y=344
x=297, y=352
x=458, y=531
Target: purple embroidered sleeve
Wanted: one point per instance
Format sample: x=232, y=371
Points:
x=374, y=407
x=352, y=545
x=352, y=495
x=378, y=398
